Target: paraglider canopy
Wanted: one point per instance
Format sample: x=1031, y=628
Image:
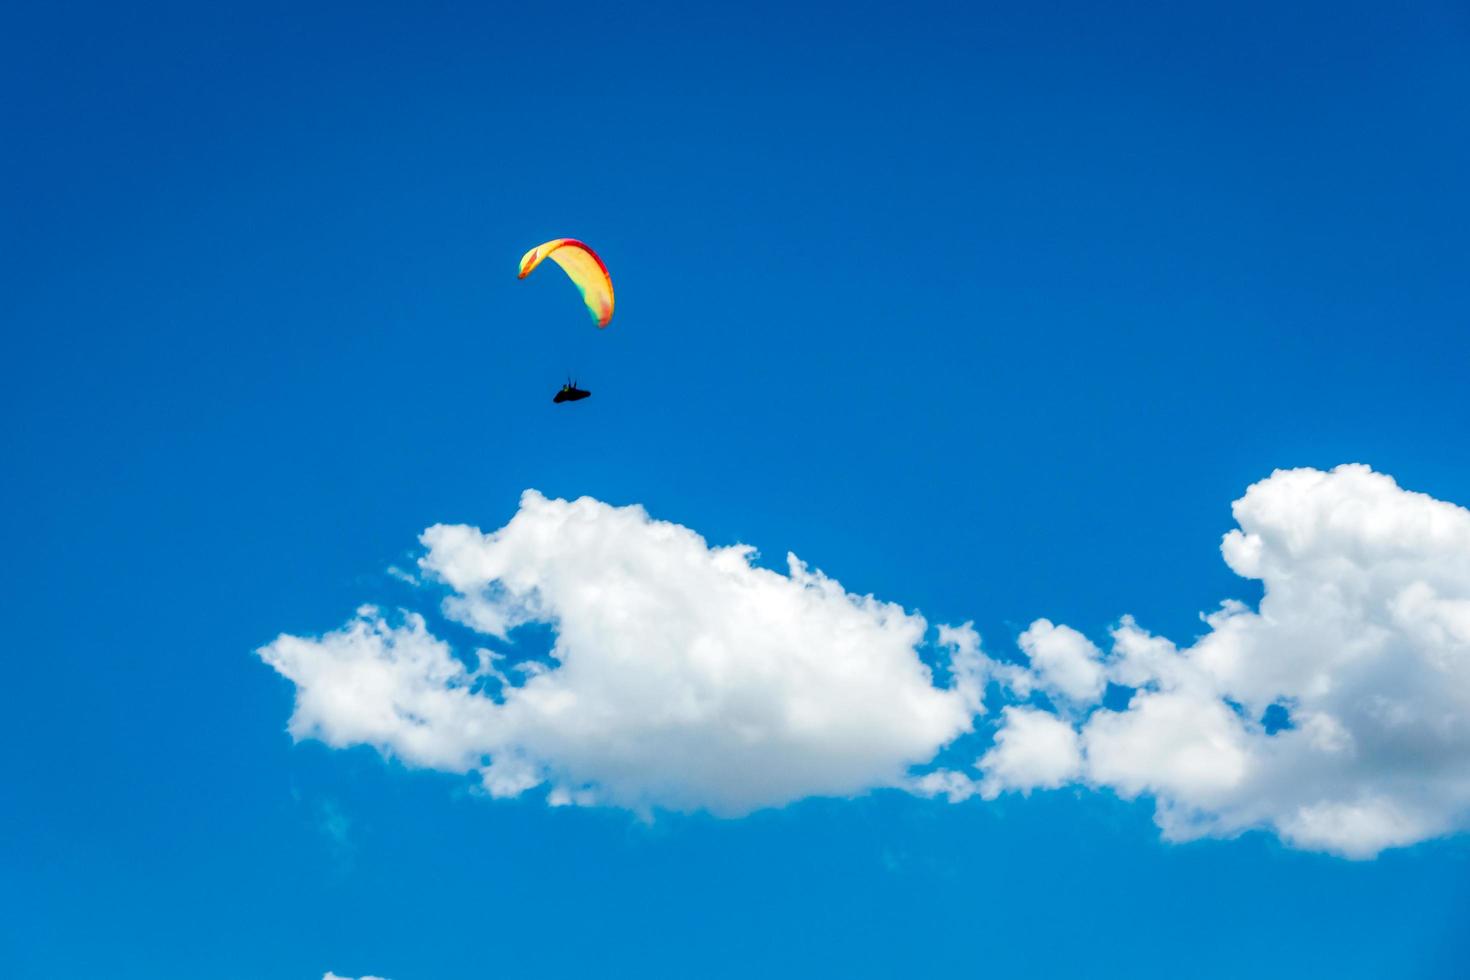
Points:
x=583, y=267
x=570, y=393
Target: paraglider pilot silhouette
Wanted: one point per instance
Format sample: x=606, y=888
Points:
x=589, y=275
x=570, y=393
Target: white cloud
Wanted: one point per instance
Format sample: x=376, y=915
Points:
x=1363, y=633
x=396, y=688
x=971, y=670
x=953, y=786
x=408, y=578
x=1065, y=662
x=1034, y=749
x=682, y=676
x=332, y=976
x=1176, y=746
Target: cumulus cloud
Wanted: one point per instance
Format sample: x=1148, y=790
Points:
x=1064, y=662
x=332, y=976
x=682, y=676
x=1362, y=637
x=1034, y=749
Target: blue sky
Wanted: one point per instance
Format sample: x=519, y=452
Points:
x=988, y=312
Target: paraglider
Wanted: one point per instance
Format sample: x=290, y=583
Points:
x=587, y=272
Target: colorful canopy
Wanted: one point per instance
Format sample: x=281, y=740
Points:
x=583, y=267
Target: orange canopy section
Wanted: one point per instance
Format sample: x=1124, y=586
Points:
x=583, y=267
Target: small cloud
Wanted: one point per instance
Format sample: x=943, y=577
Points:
x=1034, y=749
x=402, y=576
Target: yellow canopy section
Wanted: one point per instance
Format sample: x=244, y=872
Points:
x=583, y=267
